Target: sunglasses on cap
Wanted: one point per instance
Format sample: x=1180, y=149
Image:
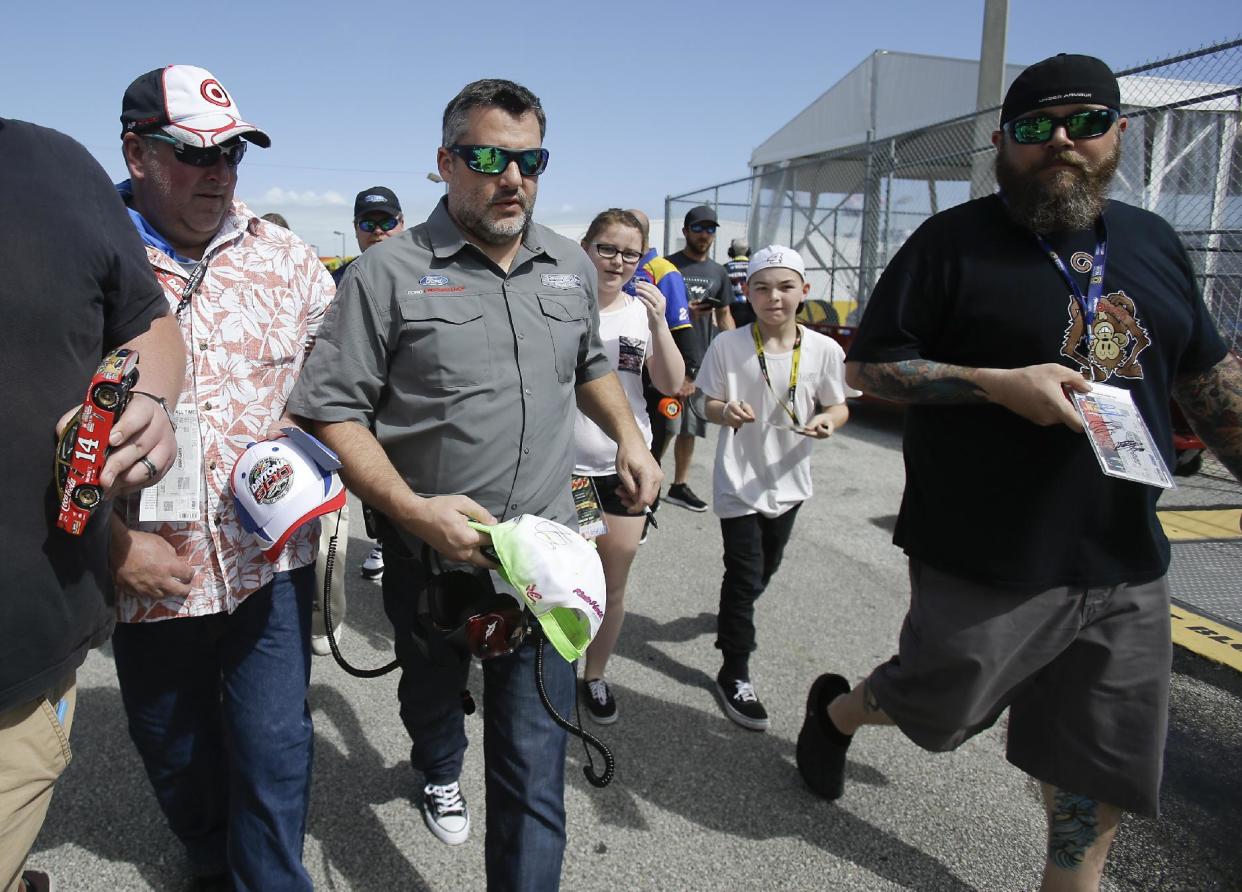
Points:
x=202, y=157
x=388, y=224
x=703, y=227
x=493, y=160
x=607, y=251
x=1087, y=124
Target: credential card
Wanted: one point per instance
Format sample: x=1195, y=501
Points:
x=1122, y=442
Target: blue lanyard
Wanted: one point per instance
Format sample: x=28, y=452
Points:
x=1095, y=286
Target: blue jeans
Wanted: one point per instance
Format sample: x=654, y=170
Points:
x=217, y=708
x=523, y=749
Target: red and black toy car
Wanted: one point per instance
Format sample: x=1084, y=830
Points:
x=83, y=445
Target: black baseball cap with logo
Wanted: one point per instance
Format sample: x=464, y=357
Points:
x=1063, y=79
x=377, y=199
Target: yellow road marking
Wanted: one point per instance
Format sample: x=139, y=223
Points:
x=1206, y=637
x=1219, y=523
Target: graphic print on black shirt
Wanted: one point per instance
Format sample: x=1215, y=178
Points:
x=1116, y=338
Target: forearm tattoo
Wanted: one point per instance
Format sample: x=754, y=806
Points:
x=1073, y=827
x=1212, y=403
x=920, y=381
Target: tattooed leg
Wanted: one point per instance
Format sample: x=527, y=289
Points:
x=1080, y=831
x=859, y=707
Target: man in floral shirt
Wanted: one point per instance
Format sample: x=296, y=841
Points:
x=212, y=645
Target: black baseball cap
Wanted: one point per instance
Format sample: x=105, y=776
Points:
x=1063, y=79
x=377, y=198
x=700, y=214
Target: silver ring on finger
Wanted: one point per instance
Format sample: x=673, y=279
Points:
x=152, y=470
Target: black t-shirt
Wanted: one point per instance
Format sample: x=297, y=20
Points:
x=707, y=281
x=74, y=283
x=990, y=496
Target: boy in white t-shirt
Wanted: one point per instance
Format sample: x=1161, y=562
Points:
x=776, y=387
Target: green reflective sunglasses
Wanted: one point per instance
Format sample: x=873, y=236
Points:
x=493, y=160
x=1086, y=124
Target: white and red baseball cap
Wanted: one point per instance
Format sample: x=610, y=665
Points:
x=279, y=485
x=187, y=103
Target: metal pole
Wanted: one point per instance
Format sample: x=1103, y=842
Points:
x=989, y=94
x=668, y=222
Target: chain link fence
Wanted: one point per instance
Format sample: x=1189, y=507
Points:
x=848, y=211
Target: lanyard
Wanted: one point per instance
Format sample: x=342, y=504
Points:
x=793, y=371
x=196, y=279
x=1095, y=287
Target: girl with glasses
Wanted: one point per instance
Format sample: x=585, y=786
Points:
x=635, y=334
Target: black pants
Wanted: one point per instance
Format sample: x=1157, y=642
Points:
x=659, y=423
x=753, y=548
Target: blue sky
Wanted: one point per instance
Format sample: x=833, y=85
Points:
x=643, y=99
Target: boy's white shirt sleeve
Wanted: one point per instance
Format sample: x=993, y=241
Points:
x=832, y=389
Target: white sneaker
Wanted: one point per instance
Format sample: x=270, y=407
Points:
x=373, y=566
x=319, y=643
x=445, y=813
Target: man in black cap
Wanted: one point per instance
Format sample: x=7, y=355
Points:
x=377, y=216
x=1038, y=581
x=710, y=292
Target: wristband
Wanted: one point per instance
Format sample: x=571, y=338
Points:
x=163, y=405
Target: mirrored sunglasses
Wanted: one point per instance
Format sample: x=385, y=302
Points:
x=388, y=224
x=202, y=157
x=607, y=251
x=1087, y=124
x=703, y=227
x=493, y=160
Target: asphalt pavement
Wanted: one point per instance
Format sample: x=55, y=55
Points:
x=698, y=803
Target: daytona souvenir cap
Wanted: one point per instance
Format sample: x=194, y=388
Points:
x=279, y=485
x=1063, y=79
x=558, y=575
x=187, y=103
x=775, y=256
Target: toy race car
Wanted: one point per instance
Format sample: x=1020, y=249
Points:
x=83, y=445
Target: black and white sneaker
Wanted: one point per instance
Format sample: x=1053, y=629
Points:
x=445, y=813
x=683, y=495
x=601, y=705
x=738, y=700
x=373, y=566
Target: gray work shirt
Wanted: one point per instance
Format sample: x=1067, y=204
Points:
x=465, y=375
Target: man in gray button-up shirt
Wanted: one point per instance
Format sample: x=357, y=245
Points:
x=446, y=375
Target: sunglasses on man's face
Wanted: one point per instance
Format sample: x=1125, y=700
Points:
x=493, y=160
x=1086, y=124
x=703, y=227
x=387, y=224
x=202, y=157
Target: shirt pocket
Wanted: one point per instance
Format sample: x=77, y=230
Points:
x=446, y=338
x=567, y=319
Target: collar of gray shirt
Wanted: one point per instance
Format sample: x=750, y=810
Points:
x=447, y=239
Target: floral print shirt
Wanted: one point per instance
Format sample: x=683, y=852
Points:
x=247, y=328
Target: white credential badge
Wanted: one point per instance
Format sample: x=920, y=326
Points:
x=178, y=497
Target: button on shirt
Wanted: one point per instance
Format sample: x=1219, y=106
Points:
x=464, y=373
x=247, y=330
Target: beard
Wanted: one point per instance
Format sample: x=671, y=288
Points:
x=1069, y=200
x=475, y=219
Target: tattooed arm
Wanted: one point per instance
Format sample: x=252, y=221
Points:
x=1212, y=402
x=1036, y=392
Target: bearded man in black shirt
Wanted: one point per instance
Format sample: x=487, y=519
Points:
x=1038, y=582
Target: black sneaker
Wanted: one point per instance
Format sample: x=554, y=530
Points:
x=683, y=495
x=445, y=813
x=37, y=881
x=738, y=700
x=601, y=705
x=373, y=565
x=821, y=747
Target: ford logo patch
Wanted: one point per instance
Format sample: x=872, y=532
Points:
x=433, y=280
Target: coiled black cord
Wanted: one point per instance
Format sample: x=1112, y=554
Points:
x=587, y=738
x=329, y=563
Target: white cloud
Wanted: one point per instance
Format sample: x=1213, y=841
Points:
x=309, y=199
